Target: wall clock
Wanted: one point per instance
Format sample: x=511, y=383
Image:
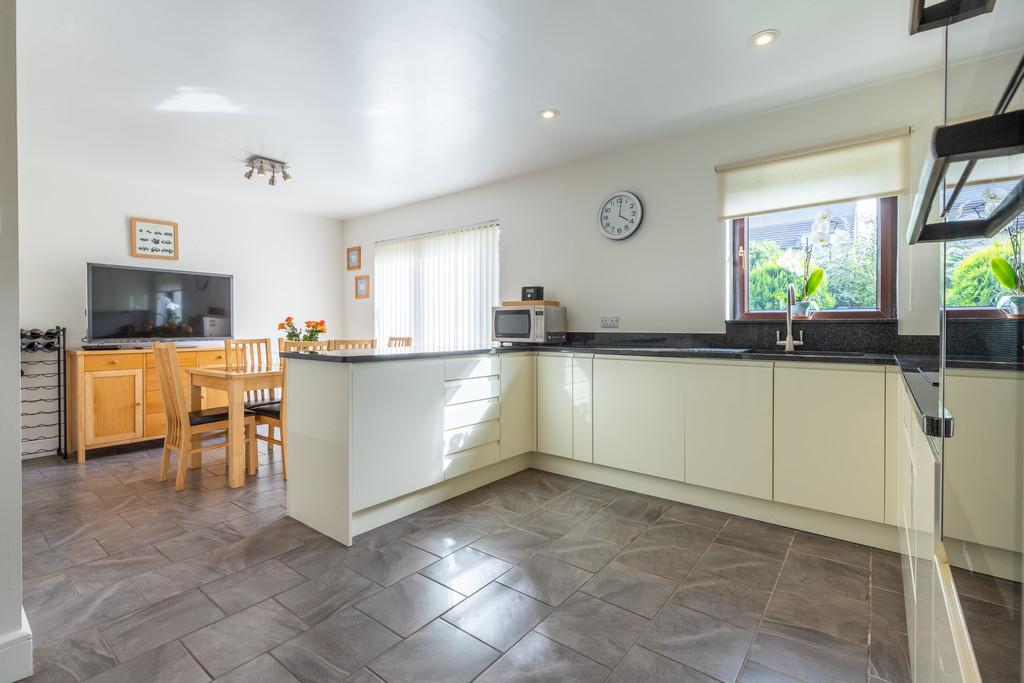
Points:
x=620, y=215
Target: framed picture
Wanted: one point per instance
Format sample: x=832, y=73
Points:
x=362, y=286
x=354, y=258
x=151, y=238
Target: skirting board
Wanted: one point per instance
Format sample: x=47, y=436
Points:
x=1005, y=564
x=860, y=531
x=16, y=653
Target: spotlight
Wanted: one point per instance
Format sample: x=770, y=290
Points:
x=262, y=172
x=285, y=175
x=273, y=176
x=249, y=171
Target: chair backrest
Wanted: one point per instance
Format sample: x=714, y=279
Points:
x=175, y=407
x=293, y=346
x=250, y=353
x=399, y=342
x=352, y=344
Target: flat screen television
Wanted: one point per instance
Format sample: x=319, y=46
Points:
x=153, y=304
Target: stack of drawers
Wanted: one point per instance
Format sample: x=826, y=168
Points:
x=471, y=413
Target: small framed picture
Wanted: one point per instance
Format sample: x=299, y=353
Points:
x=362, y=286
x=151, y=238
x=354, y=258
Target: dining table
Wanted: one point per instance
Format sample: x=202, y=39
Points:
x=236, y=382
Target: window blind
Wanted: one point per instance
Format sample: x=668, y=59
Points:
x=871, y=167
x=437, y=288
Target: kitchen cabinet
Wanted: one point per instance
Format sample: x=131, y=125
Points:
x=518, y=404
x=554, y=404
x=830, y=438
x=583, y=408
x=638, y=416
x=113, y=404
x=397, y=420
x=728, y=427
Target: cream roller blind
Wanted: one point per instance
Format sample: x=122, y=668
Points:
x=867, y=167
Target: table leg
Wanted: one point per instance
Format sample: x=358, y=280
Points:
x=236, y=435
x=195, y=461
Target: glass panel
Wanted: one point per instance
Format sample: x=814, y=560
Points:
x=512, y=323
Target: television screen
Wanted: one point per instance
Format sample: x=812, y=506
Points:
x=128, y=303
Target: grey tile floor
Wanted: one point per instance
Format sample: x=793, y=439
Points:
x=536, y=577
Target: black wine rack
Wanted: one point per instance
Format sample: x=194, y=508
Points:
x=44, y=392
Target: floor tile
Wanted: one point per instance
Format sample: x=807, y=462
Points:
x=594, y=628
x=177, y=578
x=575, y=505
x=230, y=642
x=746, y=566
x=886, y=570
x=73, y=531
x=833, y=549
x=335, y=648
x=681, y=534
x=988, y=588
x=808, y=662
x=317, y=557
x=888, y=609
x=546, y=522
x=579, y=550
x=145, y=534
x=389, y=564
x=549, y=580
x=699, y=641
x=641, y=664
x=630, y=588
x=722, y=598
x=410, y=604
x=497, y=615
x=109, y=570
x=991, y=622
x=637, y=508
x=47, y=590
x=808, y=573
x=604, y=493
x=78, y=657
x=263, y=669
x=889, y=655
x=439, y=652
x=518, y=502
x=669, y=562
x=60, y=558
x=444, y=538
x=134, y=634
x=364, y=676
x=712, y=519
x=466, y=571
x=537, y=658
x=611, y=528
x=167, y=664
x=751, y=534
x=511, y=545
x=197, y=542
x=250, y=551
x=235, y=592
x=318, y=599
x=758, y=673
x=822, y=611
x=56, y=621
x=387, y=534
x=483, y=518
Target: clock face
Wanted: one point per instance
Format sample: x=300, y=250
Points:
x=620, y=215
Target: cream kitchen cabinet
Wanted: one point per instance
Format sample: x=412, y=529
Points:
x=830, y=438
x=728, y=426
x=638, y=416
x=518, y=404
x=583, y=408
x=554, y=404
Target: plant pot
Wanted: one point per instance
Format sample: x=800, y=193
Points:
x=1012, y=305
x=803, y=310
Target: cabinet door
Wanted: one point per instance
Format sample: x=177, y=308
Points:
x=397, y=420
x=729, y=427
x=830, y=439
x=518, y=404
x=638, y=416
x=554, y=405
x=583, y=408
x=113, y=406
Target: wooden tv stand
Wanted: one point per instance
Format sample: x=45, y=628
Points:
x=114, y=396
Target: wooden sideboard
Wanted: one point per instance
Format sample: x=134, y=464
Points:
x=114, y=396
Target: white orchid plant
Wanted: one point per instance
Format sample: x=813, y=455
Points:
x=827, y=232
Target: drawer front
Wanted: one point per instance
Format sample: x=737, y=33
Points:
x=186, y=359
x=153, y=380
x=208, y=358
x=471, y=366
x=156, y=424
x=466, y=390
x=469, y=460
x=124, y=361
x=474, y=412
x=154, y=401
x=464, y=438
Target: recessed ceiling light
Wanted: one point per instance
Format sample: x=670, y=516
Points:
x=548, y=114
x=764, y=38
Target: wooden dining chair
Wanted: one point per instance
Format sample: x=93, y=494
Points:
x=352, y=344
x=286, y=346
x=399, y=342
x=187, y=428
x=251, y=353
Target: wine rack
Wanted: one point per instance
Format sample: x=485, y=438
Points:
x=44, y=392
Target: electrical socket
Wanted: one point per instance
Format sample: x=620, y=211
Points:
x=609, y=322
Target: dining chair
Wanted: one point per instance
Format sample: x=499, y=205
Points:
x=352, y=344
x=399, y=342
x=187, y=428
x=286, y=346
x=251, y=353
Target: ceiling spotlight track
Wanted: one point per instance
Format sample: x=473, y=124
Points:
x=260, y=165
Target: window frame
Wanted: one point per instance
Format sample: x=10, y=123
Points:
x=887, y=235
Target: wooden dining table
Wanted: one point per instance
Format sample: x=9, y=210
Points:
x=235, y=382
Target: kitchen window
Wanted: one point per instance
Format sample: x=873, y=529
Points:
x=853, y=242
x=437, y=288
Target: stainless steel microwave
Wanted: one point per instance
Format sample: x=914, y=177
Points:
x=529, y=324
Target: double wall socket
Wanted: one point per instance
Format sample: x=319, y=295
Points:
x=609, y=322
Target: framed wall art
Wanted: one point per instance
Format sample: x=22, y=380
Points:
x=151, y=238
x=354, y=258
x=362, y=286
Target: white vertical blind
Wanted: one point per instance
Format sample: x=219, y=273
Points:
x=437, y=288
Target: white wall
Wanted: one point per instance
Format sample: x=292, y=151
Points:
x=282, y=263
x=15, y=638
x=671, y=275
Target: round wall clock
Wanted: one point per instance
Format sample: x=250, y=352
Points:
x=620, y=215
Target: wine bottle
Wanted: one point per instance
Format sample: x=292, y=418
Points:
x=50, y=346
x=52, y=333
x=35, y=333
x=32, y=346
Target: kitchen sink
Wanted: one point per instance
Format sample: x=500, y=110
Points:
x=802, y=352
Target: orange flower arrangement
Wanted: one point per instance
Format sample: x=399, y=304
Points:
x=311, y=332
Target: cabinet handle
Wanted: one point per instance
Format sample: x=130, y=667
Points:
x=114, y=362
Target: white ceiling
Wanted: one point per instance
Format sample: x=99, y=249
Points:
x=378, y=103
